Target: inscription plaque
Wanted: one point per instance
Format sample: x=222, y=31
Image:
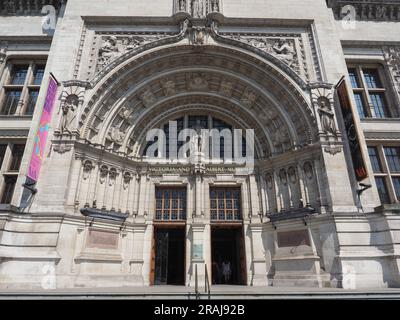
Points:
x=293, y=238
x=102, y=239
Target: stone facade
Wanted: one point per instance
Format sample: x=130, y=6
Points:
x=126, y=67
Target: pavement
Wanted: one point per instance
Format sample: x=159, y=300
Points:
x=217, y=292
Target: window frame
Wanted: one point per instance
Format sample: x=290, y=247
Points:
x=366, y=92
x=25, y=88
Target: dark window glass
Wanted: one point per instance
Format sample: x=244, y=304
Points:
x=33, y=96
x=3, y=148
x=18, y=74
x=372, y=78
x=225, y=204
x=16, y=156
x=373, y=155
x=11, y=102
x=393, y=158
x=378, y=103
x=396, y=185
x=170, y=204
x=9, y=186
x=360, y=104
x=382, y=189
x=198, y=121
x=354, y=78
x=38, y=75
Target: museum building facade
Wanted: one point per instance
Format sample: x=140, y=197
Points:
x=312, y=198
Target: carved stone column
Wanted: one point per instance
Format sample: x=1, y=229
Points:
x=259, y=277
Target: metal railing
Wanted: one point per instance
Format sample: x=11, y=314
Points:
x=207, y=285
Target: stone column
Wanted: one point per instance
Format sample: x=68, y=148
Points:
x=198, y=257
x=255, y=201
x=142, y=194
x=137, y=261
x=259, y=277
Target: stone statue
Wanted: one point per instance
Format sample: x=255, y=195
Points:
x=198, y=82
x=68, y=111
x=148, y=98
x=182, y=5
x=226, y=88
x=198, y=9
x=215, y=5
x=327, y=117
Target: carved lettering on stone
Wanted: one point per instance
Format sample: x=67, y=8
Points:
x=102, y=239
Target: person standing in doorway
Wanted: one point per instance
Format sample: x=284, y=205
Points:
x=226, y=271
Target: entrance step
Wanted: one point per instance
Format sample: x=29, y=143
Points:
x=217, y=292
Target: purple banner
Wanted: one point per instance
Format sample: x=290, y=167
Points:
x=42, y=132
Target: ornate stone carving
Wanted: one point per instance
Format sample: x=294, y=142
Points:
x=71, y=99
x=198, y=82
x=226, y=88
x=248, y=98
x=27, y=7
x=87, y=168
x=113, y=46
x=127, y=114
x=327, y=116
x=127, y=177
x=198, y=35
x=281, y=48
x=198, y=9
x=308, y=170
x=103, y=174
x=168, y=87
x=3, y=52
x=148, y=98
x=392, y=57
x=116, y=135
x=383, y=10
x=69, y=108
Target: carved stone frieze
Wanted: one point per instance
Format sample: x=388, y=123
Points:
x=283, y=49
x=392, y=57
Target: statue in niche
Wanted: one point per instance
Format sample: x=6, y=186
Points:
x=215, y=5
x=326, y=116
x=108, y=50
x=68, y=111
x=198, y=9
x=197, y=139
x=285, y=51
x=182, y=5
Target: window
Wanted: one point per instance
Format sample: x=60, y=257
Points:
x=382, y=189
x=373, y=155
x=18, y=74
x=11, y=102
x=170, y=204
x=21, y=87
x=369, y=91
x=9, y=186
x=16, y=156
x=225, y=204
x=10, y=162
x=199, y=122
x=385, y=161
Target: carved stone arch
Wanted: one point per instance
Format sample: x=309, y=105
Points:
x=125, y=89
x=115, y=110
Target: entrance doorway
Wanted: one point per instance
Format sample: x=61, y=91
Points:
x=227, y=248
x=168, y=256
